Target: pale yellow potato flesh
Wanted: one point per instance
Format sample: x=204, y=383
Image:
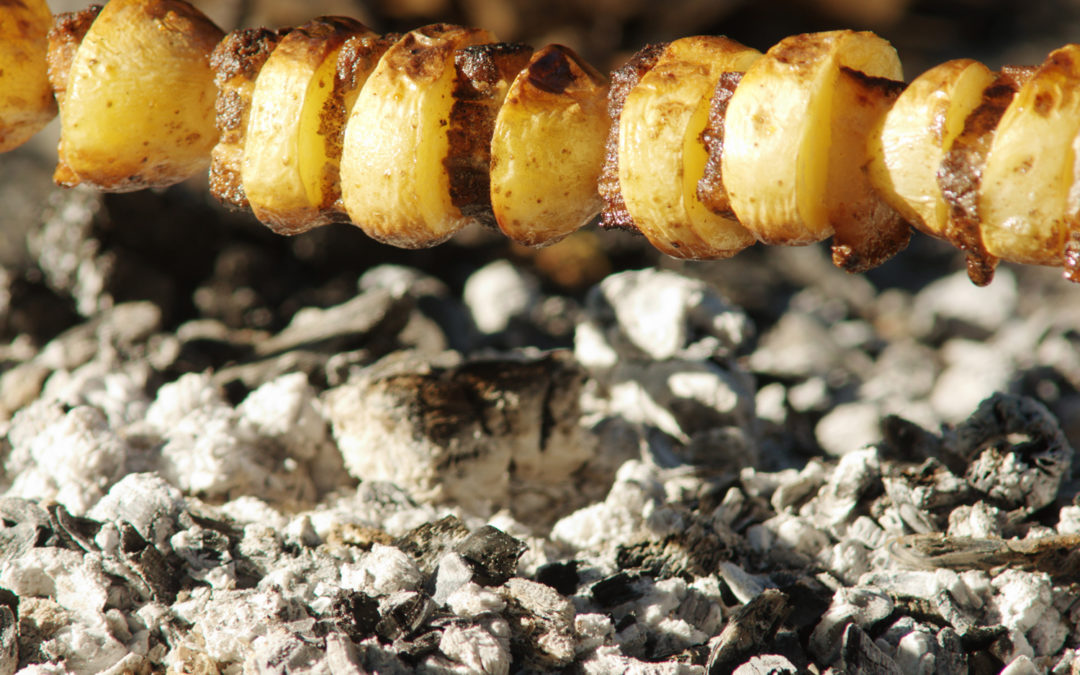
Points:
x=915, y=135
x=1024, y=197
x=778, y=131
x=26, y=99
x=662, y=156
x=284, y=157
x=394, y=185
x=139, y=105
x=548, y=148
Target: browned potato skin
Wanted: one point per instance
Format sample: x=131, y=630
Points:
x=137, y=108
x=711, y=190
x=236, y=62
x=26, y=99
x=483, y=74
x=614, y=214
x=357, y=58
x=68, y=30
x=961, y=169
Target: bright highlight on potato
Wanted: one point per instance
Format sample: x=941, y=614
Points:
x=702, y=145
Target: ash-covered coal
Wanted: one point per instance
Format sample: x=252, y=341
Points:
x=304, y=456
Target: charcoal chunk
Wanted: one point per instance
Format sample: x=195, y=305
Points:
x=749, y=630
x=493, y=555
x=562, y=576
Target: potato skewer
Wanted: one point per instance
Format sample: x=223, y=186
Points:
x=710, y=146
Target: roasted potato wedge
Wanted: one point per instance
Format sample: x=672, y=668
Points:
x=394, y=184
x=915, y=135
x=138, y=108
x=547, y=148
x=780, y=132
x=26, y=99
x=286, y=170
x=661, y=153
x=1028, y=204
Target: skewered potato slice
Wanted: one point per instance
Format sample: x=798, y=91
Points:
x=547, y=148
x=285, y=163
x=1027, y=200
x=866, y=230
x=139, y=105
x=26, y=99
x=236, y=62
x=917, y=132
x=782, y=129
x=394, y=184
x=661, y=154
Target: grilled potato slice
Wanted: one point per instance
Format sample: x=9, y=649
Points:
x=1027, y=201
x=783, y=127
x=661, y=153
x=286, y=167
x=394, y=184
x=236, y=62
x=547, y=148
x=915, y=135
x=867, y=231
x=138, y=109
x=26, y=99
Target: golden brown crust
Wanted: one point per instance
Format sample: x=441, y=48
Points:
x=483, y=74
x=65, y=36
x=614, y=213
x=710, y=189
x=961, y=172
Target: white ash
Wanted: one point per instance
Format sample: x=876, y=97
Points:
x=674, y=512
x=498, y=294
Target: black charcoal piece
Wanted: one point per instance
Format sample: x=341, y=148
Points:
x=425, y=543
x=412, y=651
x=156, y=576
x=75, y=532
x=618, y=588
x=749, y=631
x=696, y=550
x=562, y=576
x=493, y=555
x=403, y=614
x=950, y=658
x=356, y=613
x=860, y=656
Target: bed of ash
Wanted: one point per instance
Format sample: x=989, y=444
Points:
x=225, y=451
